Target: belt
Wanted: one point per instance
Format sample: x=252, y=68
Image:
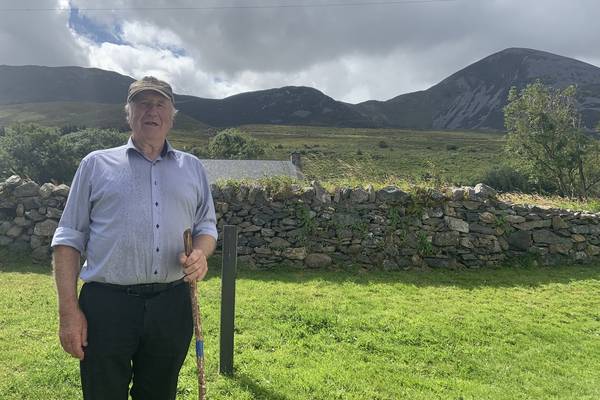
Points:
x=142, y=289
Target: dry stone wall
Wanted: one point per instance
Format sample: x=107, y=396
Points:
x=311, y=227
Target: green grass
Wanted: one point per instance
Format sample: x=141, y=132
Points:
x=336, y=154
x=510, y=333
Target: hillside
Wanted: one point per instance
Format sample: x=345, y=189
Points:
x=473, y=98
x=470, y=99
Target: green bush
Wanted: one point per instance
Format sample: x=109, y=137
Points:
x=44, y=154
x=234, y=144
x=508, y=179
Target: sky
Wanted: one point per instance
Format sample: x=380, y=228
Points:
x=351, y=50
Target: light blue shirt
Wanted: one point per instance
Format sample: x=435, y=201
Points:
x=128, y=214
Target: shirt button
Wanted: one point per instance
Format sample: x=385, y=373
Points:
x=157, y=226
x=157, y=249
x=155, y=183
x=155, y=272
x=156, y=204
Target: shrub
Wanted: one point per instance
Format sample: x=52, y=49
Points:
x=235, y=144
x=507, y=179
x=383, y=144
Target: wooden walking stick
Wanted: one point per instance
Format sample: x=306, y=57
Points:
x=187, y=240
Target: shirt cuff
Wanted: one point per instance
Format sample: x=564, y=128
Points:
x=206, y=229
x=69, y=237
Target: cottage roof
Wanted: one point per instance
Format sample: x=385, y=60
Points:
x=249, y=169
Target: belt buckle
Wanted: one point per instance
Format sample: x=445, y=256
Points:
x=132, y=292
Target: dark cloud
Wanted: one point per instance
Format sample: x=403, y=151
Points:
x=351, y=53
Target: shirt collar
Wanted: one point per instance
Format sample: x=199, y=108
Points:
x=166, y=150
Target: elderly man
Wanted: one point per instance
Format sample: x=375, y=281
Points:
x=127, y=209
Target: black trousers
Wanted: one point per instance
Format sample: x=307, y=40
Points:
x=134, y=338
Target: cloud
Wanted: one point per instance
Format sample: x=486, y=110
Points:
x=352, y=53
x=38, y=37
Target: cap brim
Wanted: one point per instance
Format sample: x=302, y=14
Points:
x=143, y=89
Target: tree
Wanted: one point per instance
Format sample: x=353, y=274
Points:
x=235, y=144
x=546, y=140
x=34, y=151
x=44, y=154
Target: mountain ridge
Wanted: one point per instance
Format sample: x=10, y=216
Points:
x=469, y=99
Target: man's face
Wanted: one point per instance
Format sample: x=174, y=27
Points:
x=150, y=116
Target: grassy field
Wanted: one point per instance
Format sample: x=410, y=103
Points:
x=510, y=333
x=334, y=154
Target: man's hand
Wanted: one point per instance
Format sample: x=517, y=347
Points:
x=195, y=266
x=73, y=332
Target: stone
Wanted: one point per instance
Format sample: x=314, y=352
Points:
x=26, y=189
x=515, y=219
x=581, y=229
x=45, y=228
x=54, y=213
x=520, y=240
x=321, y=195
x=486, y=230
x=22, y=221
x=355, y=249
x=289, y=222
x=41, y=253
x=263, y=250
x=372, y=194
x=446, y=238
x=487, y=217
x=20, y=211
x=61, y=190
x=437, y=262
x=484, y=191
x=391, y=194
x=558, y=223
x=31, y=202
x=471, y=205
x=36, y=241
x=530, y=225
x=390, y=265
x=435, y=212
x=46, y=190
x=547, y=237
x=14, y=231
x=279, y=243
x=4, y=227
x=295, y=253
x=457, y=194
x=561, y=248
x=13, y=181
x=466, y=242
x=592, y=250
x=267, y=232
x=578, y=238
x=345, y=219
x=359, y=195
x=5, y=240
x=317, y=260
x=251, y=228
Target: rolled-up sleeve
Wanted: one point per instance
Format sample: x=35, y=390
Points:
x=205, y=221
x=73, y=227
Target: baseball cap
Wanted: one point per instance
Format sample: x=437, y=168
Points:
x=150, y=83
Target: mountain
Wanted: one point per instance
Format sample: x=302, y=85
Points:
x=470, y=99
x=290, y=105
x=473, y=98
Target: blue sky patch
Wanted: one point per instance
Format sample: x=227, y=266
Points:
x=87, y=27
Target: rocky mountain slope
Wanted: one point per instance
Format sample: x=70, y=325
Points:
x=473, y=98
x=470, y=99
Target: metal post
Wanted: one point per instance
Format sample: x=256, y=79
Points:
x=228, y=298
